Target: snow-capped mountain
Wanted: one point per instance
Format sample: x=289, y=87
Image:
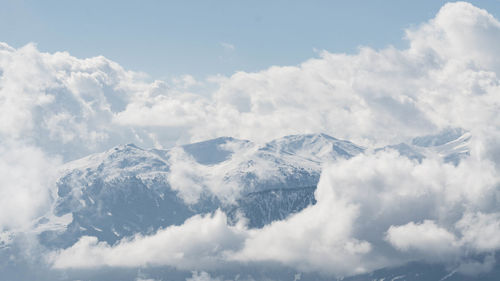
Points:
x=451, y=144
x=129, y=190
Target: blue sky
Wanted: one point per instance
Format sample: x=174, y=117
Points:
x=171, y=38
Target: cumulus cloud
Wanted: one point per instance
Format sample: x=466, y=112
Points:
x=426, y=237
x=28, y=177
x=480, y=230
x=383, y=209
x=460, y=32
x=201, y=242
x=447, y=77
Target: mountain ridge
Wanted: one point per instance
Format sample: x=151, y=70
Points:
x=128, y=190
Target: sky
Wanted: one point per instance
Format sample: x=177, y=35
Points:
x=166, y=39
x=436, y=67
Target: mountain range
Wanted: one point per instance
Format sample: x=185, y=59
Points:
x=128, y=190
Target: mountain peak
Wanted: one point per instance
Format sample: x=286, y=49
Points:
x=318, y=145
x=312, y=137
x=445, y=136
x=125, y=147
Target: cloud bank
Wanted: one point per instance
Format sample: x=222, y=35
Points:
x=202, y=241
x=374, y=210
x=446, y=78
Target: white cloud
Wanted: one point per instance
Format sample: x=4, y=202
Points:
x=425, y=237
x=448, y=77
x=202, y=276
x=187, y=176
x=201, y=242
x=192, y=180
x=460, y=32
x=480, y=231
x=227, y=46
x=225, y=180
x=370, y=200
x=444, y=79
x=317, y=238
x=28, y=178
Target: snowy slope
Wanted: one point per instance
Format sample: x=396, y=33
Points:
x=451, y=145
x=264, y=207
x=128, y=190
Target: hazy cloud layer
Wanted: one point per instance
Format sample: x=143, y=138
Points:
x=373, y=210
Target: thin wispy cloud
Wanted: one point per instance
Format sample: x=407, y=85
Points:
x=227, y=46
